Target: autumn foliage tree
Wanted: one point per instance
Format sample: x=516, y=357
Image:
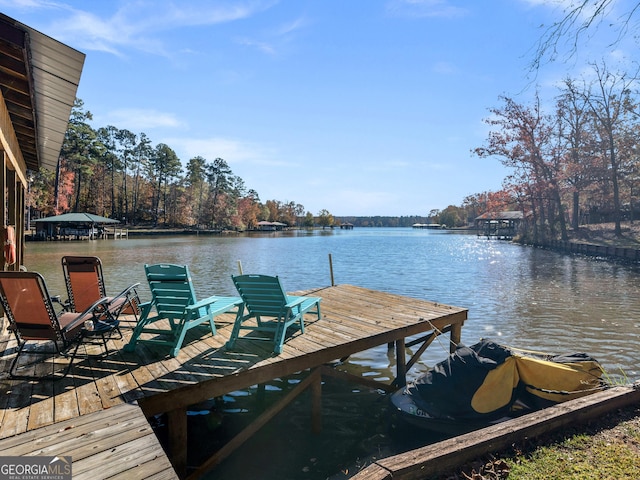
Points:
x=325, y=219
x=119, y=174
x=614, y=112
x=523, y=139
x=576, y=163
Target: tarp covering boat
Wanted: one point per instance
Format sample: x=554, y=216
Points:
x=488, y=382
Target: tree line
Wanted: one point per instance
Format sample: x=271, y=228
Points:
x=575, y=161
x=117, y=174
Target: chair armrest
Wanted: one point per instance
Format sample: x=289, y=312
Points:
x=295, y=302
x=126, y=292
x=145, y=307
x=225, y=303
x=89, y=313
x=202, y=303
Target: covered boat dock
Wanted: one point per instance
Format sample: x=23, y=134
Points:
x=500, y=225
x=265, y=226
x=69, y=226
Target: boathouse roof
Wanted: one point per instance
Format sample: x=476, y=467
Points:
x=39, y=77
x=504, y=215
x=76, y=218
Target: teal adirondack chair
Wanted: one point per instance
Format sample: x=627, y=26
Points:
x=272, y=310
x=173, y=299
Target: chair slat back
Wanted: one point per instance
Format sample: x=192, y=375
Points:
x=171, y=288
x=84, y=280
x=262, y=294
x=28, y=307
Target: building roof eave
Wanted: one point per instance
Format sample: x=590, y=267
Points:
x=39, y=79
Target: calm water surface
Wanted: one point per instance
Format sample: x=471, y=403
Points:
x=520, y=296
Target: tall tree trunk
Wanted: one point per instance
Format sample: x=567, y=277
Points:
x=56, y=188
x=575, y=222
x=124, y=186
x=76, y=205
x=615, y=186
x=561, y=219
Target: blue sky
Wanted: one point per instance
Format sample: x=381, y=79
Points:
x=361, y=107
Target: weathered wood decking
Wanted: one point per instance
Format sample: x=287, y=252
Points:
x=114, y=443
x=353, y=319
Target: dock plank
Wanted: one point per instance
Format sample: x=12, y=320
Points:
x=65, y=406
x=103, y=444
x=41, y=412
x=88, y=398
x=43, y=440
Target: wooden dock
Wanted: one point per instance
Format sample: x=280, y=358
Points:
x=113, y=443
x=353, y=320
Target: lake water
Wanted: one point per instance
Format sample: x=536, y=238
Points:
x=520, y=296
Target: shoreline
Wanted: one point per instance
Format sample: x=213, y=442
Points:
x=596, y=240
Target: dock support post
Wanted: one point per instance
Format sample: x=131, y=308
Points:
x=333, y=283
x=260, y=394
x=177, y=425
x=454, y=336
x=316, y=403
x=401, y=363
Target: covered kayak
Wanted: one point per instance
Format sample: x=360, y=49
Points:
x=488, y=383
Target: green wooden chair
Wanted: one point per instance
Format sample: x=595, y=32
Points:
x=265, y=301
x=173, y=299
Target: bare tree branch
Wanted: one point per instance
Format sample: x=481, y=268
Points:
x=580, y=19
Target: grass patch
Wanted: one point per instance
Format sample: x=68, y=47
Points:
x=605, y=448
x=579, y=457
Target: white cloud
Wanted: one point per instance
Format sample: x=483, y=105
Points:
x=140, y=119
x=290, y=27
x=137, y=25
x=264, y=47
x=170, y=15
x=424, y=8
x=234, y=151
x=28, y=4
x=273, y=42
